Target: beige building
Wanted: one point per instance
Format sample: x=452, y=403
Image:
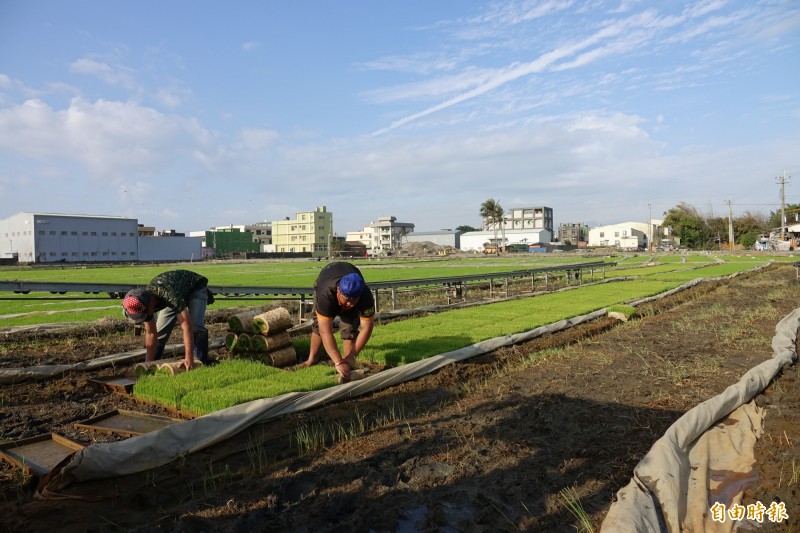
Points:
x=310, y=231
x=383, y=236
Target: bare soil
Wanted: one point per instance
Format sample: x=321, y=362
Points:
x=488, y=444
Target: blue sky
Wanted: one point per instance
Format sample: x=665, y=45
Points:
x=190, y=114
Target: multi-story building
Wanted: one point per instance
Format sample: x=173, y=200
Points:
x=524, y=218
x=310, y=231
x=573, y=233
x=521, y=225
x=382, y=237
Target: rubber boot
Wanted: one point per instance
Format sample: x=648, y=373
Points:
x=200, y=351
x=159, y=351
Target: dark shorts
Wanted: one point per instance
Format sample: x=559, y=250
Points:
x=348, y=325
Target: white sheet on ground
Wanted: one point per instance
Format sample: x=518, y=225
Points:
x=669, y=491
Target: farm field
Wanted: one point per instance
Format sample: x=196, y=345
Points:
x=485, y=444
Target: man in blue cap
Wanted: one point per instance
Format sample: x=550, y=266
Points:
x=340, y=291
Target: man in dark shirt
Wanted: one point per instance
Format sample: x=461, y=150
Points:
x=177, y=296
x=340, y=291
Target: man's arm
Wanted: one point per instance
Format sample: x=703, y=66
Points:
x=364, y=333
x=150, y=340
x=325, y=325
x=188, y=338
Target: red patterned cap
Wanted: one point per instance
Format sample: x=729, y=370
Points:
x=135, y=305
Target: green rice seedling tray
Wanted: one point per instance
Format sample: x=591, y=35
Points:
x=39, y=455
x=127, y=423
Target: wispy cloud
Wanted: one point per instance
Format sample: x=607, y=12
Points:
x=112, y=74
x=251, y=45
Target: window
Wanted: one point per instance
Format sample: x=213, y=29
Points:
x=105, y=234
x=602, y=234
x=52, y=254
x=616, y=234
x=85, y=233
x=73, y=233
x=113, y=233
x=63, y=233
x=94, y=233
x=41, y=232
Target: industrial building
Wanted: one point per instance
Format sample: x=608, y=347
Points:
x=29, y=237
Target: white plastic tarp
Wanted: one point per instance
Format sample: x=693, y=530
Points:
x=672, y=489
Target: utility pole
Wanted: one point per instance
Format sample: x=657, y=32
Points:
x=649, y=226
x=730, y=226
x=782, y=180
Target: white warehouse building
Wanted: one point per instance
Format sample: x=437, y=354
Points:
x=62, y=238
x=627, y=235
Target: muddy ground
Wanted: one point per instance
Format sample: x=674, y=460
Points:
x=489, y=444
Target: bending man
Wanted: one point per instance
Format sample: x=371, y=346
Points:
x=340, y=291
x=177, y=296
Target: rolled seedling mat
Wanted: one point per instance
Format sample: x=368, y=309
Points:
x=244, y=343
x=146, y=367
x=271, y=322
x=282, y=356
x=231, y=341
x=242, y=322
x=174, y=368
x=267, y=343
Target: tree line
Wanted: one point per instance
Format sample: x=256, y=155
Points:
x=704, y=232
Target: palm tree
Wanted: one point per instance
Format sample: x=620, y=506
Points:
x=492, y=212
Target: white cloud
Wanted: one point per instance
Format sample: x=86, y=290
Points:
x=112, y=74
x=250, y=46
x=111, y=139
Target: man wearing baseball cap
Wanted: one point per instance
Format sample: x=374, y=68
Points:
x=177, y=296
x=340, y=291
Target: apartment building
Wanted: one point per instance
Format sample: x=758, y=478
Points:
x=382, y=237
x=309, y=231
x=573, y=233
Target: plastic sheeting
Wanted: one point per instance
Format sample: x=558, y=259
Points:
x=160, y=447
x=673, y=485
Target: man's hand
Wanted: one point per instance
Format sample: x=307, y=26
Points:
x=188, y=363
x=344, y=371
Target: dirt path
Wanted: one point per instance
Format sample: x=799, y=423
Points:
x=486, y=445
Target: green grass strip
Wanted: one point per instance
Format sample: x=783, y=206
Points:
x=412, y=340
